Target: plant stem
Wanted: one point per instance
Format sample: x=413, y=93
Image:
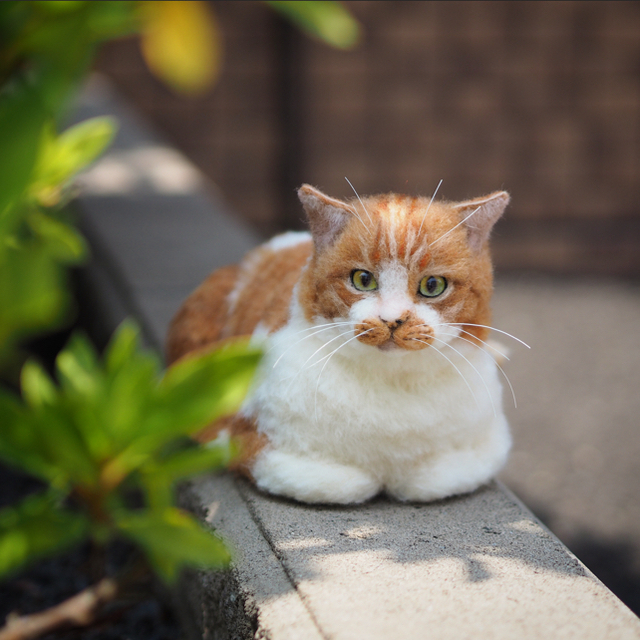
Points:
x=79, y=610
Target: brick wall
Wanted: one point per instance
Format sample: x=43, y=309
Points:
x=540, y=98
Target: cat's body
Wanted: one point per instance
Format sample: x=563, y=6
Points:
x=376, y=375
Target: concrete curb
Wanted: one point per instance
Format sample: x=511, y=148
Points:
x=478, y=566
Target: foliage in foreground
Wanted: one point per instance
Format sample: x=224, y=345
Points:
x=108, y=439
x=111, y=441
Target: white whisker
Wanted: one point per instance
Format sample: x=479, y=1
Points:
x=360, y=199
x=444, y=235
x=326, y=328
x=513, y=393
x=304, y=364
x=484, y=326
x=278, y=339
x=424, y=217
x=484, y=342
x=456, y=368
x=327, y=362
x=493, y=406
x=323, y=346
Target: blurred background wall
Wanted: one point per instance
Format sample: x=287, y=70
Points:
x=541, y=98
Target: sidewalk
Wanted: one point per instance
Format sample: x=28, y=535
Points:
x=576, y=458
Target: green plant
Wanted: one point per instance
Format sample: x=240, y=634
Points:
x=109, y=439
x=110, y=430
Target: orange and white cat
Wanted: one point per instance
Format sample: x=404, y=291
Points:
x=377, y=374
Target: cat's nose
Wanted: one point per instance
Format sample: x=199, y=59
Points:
x=394, y=324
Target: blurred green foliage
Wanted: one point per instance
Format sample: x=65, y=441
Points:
x=110, y=429
x=103, y=429
x=106, y=429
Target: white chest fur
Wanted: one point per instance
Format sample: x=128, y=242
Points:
x=345, y=420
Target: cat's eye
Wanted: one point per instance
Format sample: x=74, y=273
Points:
x=363, y=280
x=432, y=286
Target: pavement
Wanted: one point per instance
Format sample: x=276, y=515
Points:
x=576, y=457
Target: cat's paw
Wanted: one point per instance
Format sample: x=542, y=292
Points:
x=452, y=474
x=310, y=480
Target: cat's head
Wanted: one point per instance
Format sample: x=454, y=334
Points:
x=407, y=272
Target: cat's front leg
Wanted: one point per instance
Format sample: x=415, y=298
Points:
x=312, y=480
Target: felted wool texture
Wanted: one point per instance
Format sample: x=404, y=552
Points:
x=364, y=391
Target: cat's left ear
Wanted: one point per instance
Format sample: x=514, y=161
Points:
x=327, y=216
x=480, y=214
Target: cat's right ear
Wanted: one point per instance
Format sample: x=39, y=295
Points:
x=327, y=216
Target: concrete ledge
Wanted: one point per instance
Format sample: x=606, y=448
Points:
x=478, y=566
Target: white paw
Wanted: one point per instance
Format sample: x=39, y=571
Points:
x=310, y=480
x=450, y=475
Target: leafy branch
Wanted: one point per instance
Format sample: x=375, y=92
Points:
x=108, y=436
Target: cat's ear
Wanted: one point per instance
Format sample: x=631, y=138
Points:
x=327, y=216
x=480, y=214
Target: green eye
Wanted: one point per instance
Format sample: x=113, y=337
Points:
x=363, y=280
x=432, y=286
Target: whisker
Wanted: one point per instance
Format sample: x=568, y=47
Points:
x=323, y=346
x=444, y=235
x=513, y=393
x=315, y=401
x=456, y=368
x=340, y=347
x=424, y=217
x=493, y=406
x=302, y=368
x=326, y=328
x=484, y=342
x=484, y=326
x=278, y=339
x=359, y=198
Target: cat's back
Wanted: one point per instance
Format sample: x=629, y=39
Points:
x=234, y=300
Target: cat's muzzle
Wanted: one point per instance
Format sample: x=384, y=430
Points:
x=407, y=332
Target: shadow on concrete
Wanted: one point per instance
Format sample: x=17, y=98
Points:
x=614, y=563
x=474, y=529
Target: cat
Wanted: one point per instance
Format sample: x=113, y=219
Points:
x=378, y=376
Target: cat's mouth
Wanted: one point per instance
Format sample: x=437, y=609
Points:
x=389, y=345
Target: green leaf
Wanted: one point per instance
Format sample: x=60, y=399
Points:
x=78, y=367
x=20, y=444
x=122, y=346
x=32, y=293
x=171, y=539
x=160, y=476
x=62, y=157
x=327, y=21
x=37, y=387
x=60, y=240
x=196, y=460
x=59, y=6
x=22, y=118
x=193, y=393
x=37, y=527
x=197, y=390
x=42, y=438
